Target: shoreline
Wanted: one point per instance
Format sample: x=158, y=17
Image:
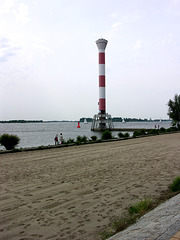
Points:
x=35, y=135
x=74, y=144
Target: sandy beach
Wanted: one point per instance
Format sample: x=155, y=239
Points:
x=72, y=192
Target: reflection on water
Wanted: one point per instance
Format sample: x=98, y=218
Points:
x=42, y=134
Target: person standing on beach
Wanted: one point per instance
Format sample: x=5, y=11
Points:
x=61, y=138
x=56, y=139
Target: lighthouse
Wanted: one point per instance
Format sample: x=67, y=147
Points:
x=102, y=120
x=101, y=44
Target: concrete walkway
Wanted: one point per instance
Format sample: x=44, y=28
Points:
x=162, y=223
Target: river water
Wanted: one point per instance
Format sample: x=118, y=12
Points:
x=42, y=134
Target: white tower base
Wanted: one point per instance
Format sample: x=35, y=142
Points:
x=102, y=122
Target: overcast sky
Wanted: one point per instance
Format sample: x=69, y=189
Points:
x=49, y=58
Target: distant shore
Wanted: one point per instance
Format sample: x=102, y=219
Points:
x=116, y=119
x=72, y=193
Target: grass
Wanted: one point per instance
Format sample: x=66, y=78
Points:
x=175, y=186
x=141, y=207
x=137, y=210
x=120, y=223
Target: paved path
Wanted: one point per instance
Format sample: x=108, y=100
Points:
x=162, y=223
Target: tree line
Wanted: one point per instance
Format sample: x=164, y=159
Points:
x=120, y=119
x=22, y=121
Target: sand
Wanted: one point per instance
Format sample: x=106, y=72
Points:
x=72, y=193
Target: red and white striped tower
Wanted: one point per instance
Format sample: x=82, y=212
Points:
x=101, y=44
x=102, y=120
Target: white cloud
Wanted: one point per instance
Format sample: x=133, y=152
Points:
x=4, y=42
x=38, y=45
x=175, y=2
x=7, y=50
x=138, y=45
x=168, y=39
x=22, y=13
x=113, y=15
x=116, y=24
x=6, y=6
x=113, y=30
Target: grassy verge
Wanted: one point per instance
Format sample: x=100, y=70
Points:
x=138, y=210
x=175, y=186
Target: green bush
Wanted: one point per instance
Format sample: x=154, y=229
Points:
x=120, y=134
x=126, y=135
x=106, y=135
x=172, y=129
x=40, y=147
x=70, y=140
x=84, y=139
x=175, y=186
x=94, y=138
x=135, y=134
x=80, y=140
x=162, y=130
x=140, y=132
x=153, y=132
x=9, y=141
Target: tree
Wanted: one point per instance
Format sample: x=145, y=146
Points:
x=9, y=141
x=174, y=110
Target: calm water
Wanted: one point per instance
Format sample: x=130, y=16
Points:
x=42, y=134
